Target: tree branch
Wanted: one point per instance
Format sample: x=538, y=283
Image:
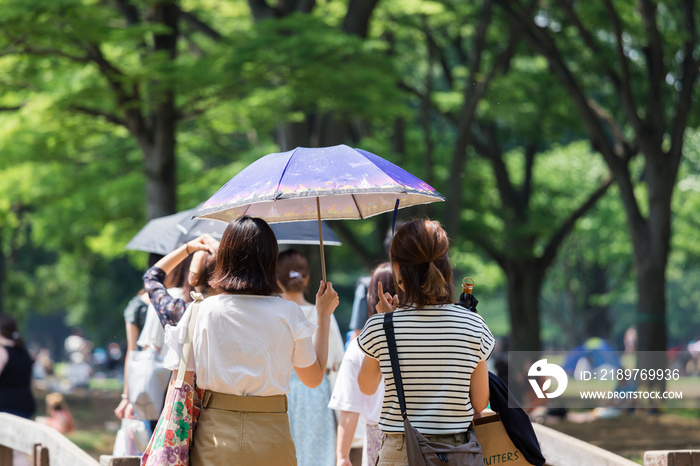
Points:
x=11, y=108
x=129, y=11
x=526, y=189
x=128, y=103
x=691, y=68
x=550, y=250
x=625, y=85
x=198, y=25
x=260, y=9
x=491, y=152
x=542, y=42
x=99, y=113
x=655, y=60
x=444, y=64
x=474, y=90
x=356, y=21
x=490, y=248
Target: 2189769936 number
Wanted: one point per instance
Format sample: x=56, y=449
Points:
x=639, y=374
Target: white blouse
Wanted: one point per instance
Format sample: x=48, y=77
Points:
x=346, y=393
x=244, y=344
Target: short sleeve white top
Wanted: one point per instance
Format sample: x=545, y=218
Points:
x=244, y=344
x=346, y=393
x=152, y=333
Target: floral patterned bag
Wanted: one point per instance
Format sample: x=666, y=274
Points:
x=172, y=439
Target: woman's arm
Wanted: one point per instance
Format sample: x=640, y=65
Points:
x=168, y=308
x=347, y=423
x=370, y=376
x=132, y=334
x=479, y=387
x=326, y=302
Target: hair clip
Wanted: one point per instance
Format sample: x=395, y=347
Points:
x=295, y=274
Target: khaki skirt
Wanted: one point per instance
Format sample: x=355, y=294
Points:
x=243, y=430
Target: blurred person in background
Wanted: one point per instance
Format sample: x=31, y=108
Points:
x=15, y=371
x=135, y=318
x=347, y=396
x=311, y=421
x=57, y=414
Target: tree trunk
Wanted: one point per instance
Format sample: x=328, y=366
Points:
x=292, y=135
x=524, y=286
x=596, y=320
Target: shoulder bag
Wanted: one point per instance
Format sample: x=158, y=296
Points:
x=172, y=438
x=420, y=450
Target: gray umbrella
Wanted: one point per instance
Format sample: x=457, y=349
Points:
x=163, y=234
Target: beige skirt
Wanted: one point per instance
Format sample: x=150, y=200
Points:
x=243, y=430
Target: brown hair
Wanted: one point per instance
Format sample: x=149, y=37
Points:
x=9, y=330
x=420, y=251
x=177, y=278
x=206, y=269
x=247, y=258
x=292, y=270
x=381, y=273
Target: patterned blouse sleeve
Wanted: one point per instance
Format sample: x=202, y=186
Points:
x=169, y=309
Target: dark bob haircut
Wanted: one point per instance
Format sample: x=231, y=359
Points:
x=246, y=259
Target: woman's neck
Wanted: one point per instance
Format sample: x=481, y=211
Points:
x=296, y=297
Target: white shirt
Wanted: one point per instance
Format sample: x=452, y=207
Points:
x=346, y=393
x=152, y=333
x=244, y=344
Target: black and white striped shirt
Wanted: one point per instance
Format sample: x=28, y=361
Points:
x=438, y=348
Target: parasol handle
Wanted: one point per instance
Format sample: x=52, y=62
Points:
x=467, y=287
x=320, y=240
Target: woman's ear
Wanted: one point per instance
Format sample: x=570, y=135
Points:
x=397, y=276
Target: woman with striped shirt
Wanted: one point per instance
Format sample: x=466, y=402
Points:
x=442, y=347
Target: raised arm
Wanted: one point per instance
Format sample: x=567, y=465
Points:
x=170, y=309
x=326, y=302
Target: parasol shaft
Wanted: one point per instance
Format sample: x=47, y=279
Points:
x=320, y=240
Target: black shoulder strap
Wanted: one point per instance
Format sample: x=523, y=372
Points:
x=394, y=356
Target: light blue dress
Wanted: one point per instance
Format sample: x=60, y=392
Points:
x=312, y=423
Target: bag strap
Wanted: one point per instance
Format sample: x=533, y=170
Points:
x=188, y=339
x=394, y=356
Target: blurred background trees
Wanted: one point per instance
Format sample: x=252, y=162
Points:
x=563, y=134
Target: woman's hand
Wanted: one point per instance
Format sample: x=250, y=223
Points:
x=119, y=410
x=326, y=299
x=125, y=410
x=387, y=303
x=202, y=243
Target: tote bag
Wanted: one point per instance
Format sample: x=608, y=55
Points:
x=496, y=444
x=172, y=438
x=148, y=381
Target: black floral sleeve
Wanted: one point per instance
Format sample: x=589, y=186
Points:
x=169, y=309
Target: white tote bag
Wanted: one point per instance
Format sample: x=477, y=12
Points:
x=148, y=381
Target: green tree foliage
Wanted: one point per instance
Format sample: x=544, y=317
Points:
x=630, y=69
